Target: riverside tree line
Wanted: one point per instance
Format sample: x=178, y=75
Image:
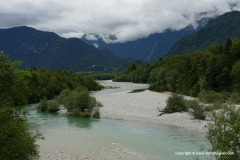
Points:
x=212, y=75
x=20, y=87
x=214, y=69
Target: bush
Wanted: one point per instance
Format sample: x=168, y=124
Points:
x=63, y=96
x=53, y=106
x=213, y=97
x=96, y=113
x=234, y=98
x=197, y=109
x=175, y=103
x=213, y=107
x=78, y=102
x=42, y=106
x=99, y=104
x=137, y=90
x=224, y=132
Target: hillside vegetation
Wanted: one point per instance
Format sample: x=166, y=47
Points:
x=215, y=69
x=217, y=31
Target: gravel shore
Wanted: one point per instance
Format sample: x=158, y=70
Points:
x=122, y=105
x=143, y=107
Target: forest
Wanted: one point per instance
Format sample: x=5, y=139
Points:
x=216, y=69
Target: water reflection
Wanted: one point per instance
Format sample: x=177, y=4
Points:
x=79, y=122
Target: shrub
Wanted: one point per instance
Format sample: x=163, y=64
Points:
x=137, y=90
x=53, y=106
x=224, y=132
x=96, y=113
x=213, y=97
x=234, y=98
x=191, y=104
x=78, y=102
x=42, y=106
x=99, y=104
x=197, y=109
x=175, y=103
x=214, y=106
x=63, y=96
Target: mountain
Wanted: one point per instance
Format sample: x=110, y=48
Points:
x=217, y=31
x=145, y=49
x=48, y=50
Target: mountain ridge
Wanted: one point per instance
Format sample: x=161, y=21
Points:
x=48, y=50
x=217, y=31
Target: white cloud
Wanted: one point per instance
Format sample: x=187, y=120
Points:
x=131, y=19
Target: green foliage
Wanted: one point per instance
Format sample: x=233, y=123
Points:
x=12, y=83
x=236, y=75
x=7, y=79
x=96, y=114
x=63, y=97
x=224, y=132
x=137, y=90
x=104, y=75
x=42, y=106
x=215, y=70
x=175, y=103
x=134, y=73
x=234, y=98
x=217, y=31
x=219, y=97
x=192, y=104
x=198, y=111
x=213, y=97
x=53, y=106
x=99, y=104
x=17, y=142
x=78, y=102
x=50, y=83
x=213, y=107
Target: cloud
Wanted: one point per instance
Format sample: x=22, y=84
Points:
x=130, y=19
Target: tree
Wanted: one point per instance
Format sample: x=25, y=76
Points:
x=17, y=142
x=7, y=79
x=131, y=68
x=53, y=106
x=224, y=132
x=235, y=73
x=78, y=102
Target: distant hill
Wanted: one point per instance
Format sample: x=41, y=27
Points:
x=217, y=31
x=145, y=49
x=48, y=50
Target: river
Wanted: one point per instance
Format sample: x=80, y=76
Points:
x=68, y=137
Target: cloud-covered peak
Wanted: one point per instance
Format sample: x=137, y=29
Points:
x=127, y=19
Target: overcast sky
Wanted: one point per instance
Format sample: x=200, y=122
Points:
x=131, y=19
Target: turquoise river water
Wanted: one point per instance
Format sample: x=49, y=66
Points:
x=115, y=139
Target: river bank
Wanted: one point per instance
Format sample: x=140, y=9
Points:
x=143, y=107
x=121, y=133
